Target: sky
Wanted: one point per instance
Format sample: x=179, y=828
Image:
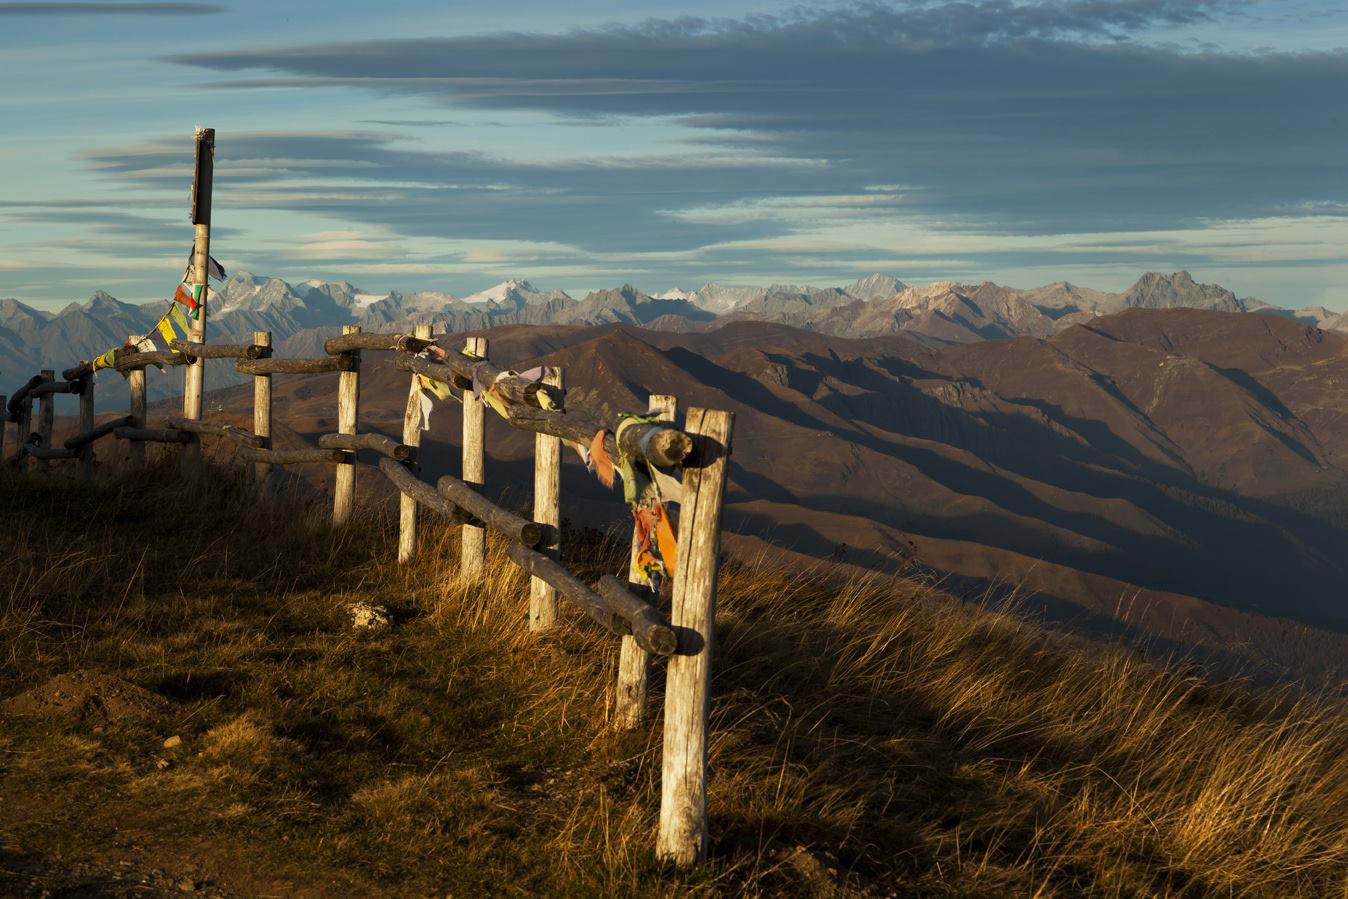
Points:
x=451, y=145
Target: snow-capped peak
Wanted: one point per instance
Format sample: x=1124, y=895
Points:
x=674, y=293
x=364, y=300
x=500, y=291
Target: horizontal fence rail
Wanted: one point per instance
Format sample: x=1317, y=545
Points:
x=694, y=458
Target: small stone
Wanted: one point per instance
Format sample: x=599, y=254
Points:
x=367, y=616
x=188, y=886
x=161, y=764
x=173, y=742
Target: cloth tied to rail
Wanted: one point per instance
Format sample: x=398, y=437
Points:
x=491, y=393
x=164, y=331
x=646, y=488
x=429, y=388
x=640, y=477
x=599, y=461
x=656, y=548
x=172, y=322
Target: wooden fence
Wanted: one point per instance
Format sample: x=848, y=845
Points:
x=689, y=462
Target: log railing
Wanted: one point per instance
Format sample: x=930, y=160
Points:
x=695, y=455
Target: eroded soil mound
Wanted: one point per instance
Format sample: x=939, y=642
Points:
x=89, y=696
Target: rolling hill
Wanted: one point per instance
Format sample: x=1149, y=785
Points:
x=1179, y=475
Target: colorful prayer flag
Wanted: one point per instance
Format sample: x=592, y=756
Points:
x=182, y=296
x=213, y=269
x=178, y=318
x=603, y=465
x=165, y=328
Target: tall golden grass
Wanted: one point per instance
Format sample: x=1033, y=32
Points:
x=870, y=736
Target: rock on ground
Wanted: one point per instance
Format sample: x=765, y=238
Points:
x=368, y=616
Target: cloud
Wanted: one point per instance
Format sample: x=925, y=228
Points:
x=103, y=9
x=599, y=204
x=1024, y=117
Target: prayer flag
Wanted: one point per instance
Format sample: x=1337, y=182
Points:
x=603, y=464
x=165, y=328
x=213, y=269
x=178, y=318
x=182, y=296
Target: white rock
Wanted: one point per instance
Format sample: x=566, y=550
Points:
x=368, y=616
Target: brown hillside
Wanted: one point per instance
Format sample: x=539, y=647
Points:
x=1188, y=466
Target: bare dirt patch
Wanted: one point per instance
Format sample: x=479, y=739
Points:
x=90, y=697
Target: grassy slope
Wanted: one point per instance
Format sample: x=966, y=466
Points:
x=908, y=743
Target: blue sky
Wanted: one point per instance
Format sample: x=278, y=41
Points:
x=451, y=145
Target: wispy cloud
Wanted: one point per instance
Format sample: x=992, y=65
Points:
x=1023, y=116
x=106, y=9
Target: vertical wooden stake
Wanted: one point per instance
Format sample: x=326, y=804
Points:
x=634, y=663
x=26, y=430
x=407, y=507
x=194, y=379
x=136, y=382
x=46, y=412
x=547, y=511
x=348, y=410
x=87, y=424
x=262, y=410
x=683, y=780
x=474, y=538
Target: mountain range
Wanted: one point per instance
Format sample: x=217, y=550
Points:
x=301, y=316
x=1167, y=462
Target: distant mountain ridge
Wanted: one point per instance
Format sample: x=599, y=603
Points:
x=301, y=316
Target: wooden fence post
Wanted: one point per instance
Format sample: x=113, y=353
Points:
x=348, y=411
x=136, y=382
x=407, y=507
x=262, y=410
x=634, y=663
x=26, y=429
x=86, y=425
x=194, y=379
x=683, y=779
x=46, y=412
x=474, y=539
x=547, y=511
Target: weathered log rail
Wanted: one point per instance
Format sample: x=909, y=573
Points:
x=153, y=435
x=385, y=446
x=218, y=350
x=291, y=457
x=684, y=637
x=403, y=343
x=22, y=397
x=103, y=430
x=50, y=387
x=295, y=366
x=526, y=533
x=422, y=493
x=134, y=361
x=238, y=435
x=458, y=371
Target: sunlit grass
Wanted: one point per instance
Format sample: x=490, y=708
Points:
x=869, y=736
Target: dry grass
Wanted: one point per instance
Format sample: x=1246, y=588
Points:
x=869, y=737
